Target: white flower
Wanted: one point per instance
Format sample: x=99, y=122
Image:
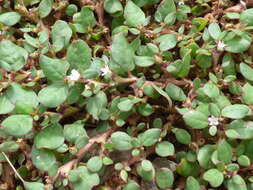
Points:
x=105, y=70
x=213, y=121
x=242, y=3
x=74, y=76
x=221, y=45
x=87, y=87
x=181, y=3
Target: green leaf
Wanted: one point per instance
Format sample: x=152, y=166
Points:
x=61, y=35
x=240, y=129
x=125, y=105
x=107, y=161
x=232, y=134
x=33, y=186
x=23, y=108
x=238, y=44
x=222, y=101
x=144, y=61
x=5, y=105
x=246, y=71
x=94, y=164
x=121, y=52
x=123, y=175
x=214, y=109
x=236, y=111
x=12, y=57
x=214, y=177
x=18, y=125
x=182, y=135
x=121, y=141
x=247, y=92
x=134, y=15
x=75, y=92
x=213, y=130
x=243, y=160
x=236, y=183
x=181, y=68
x=53, y=95
x=232, y=15
x=214, y=30
x=142, y=3
x=247, y=16
x=16, y=93
x=150, y=136
x=71, y=9
x=165, y=149
x=79, y=55
x=96, y=104
x=50, y=137
x=170, y=19
x=167, y=41
x=163, y=93
x=10, y=18
x=151, y=92
x=132, y=185
x=196, y=119
x=9, y=146
x=113, y=6
x=199, y=23
x=73, y=131
x=145, y=109
x=228, y=65
x=84, y=20
x=45, y=8
x=43, y=159
x=224, y=151
x=204, y=61
x=204, y=156
x=146, y=170
x=186, y=168
x=164, y=178
x=53, y=69
x=34, y=42
x=87, y=179
x=175, y=92
x=165, y=7
x=192, y=184
x=211, y=90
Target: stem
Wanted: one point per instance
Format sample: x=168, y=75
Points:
x=121, y=80
x=100, y=12
x=13, y=168
x=64, y=170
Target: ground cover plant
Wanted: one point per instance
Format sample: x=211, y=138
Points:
x=126, y=94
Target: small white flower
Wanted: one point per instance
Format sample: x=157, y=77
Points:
x=242, y=3
x=221, y=45
x=74, y=76
x=213, y=121
x=87, y=87
x=105, y=70
x=181, y=3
